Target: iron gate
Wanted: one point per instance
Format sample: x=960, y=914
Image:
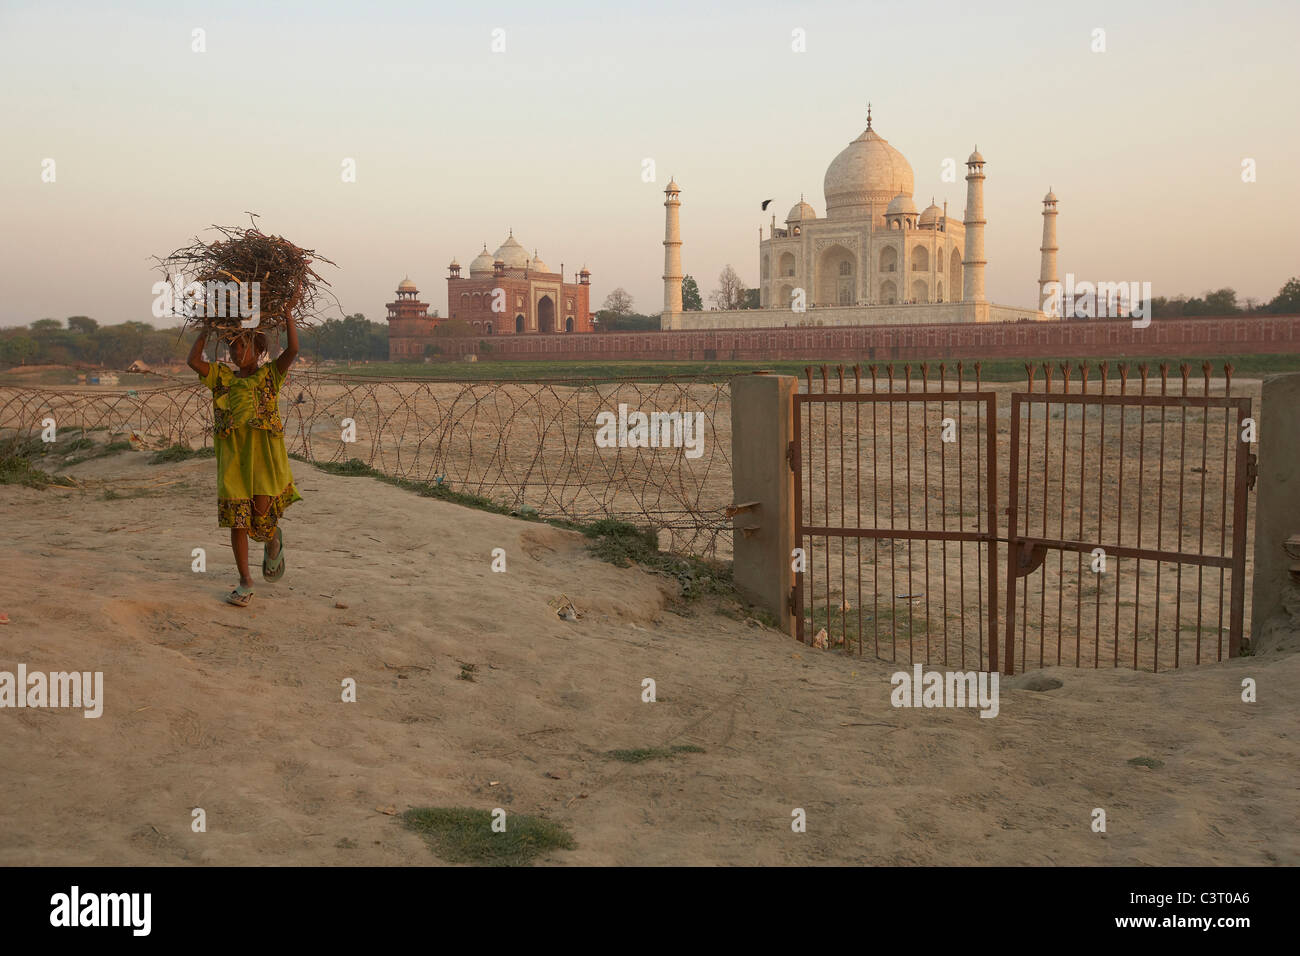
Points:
x=943, y=474
x=1146, y=490
x=1155, y=523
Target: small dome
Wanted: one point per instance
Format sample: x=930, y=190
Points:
x=512, y=253
x=800, y=211
x=931, y=215
x=672, y=186
x=453, y=264
x=901, y=205
x=975, y=157
x=583, y=271
x=406, y=285
x=535, y=264
x=482, y=262
x=1050, y=197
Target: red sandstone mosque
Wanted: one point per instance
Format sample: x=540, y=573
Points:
x=506, y=292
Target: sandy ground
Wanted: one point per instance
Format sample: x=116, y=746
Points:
x=239, y=711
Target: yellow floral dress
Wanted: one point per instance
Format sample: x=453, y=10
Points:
x=249, y=439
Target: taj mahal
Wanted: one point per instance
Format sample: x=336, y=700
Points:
x=873, y=259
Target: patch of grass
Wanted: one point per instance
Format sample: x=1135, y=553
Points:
x=623, y=544
x=180, y=453
x=353, y=467
x=18, y=458
x=466, y=672
x=1149, y=762
x=112, y=448
x=356, y=468
x=642, y=754
x=461, y=835
x=77, y=444
x=895, y=620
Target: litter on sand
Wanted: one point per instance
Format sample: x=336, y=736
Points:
x=563, y=607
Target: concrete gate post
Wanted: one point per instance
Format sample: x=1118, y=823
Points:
x=1277, y=500
x=762, y=427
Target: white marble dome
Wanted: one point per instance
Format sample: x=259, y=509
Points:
x=866, y=171
x=535, y=264
x=482, y=263
x=801, y=211
x=931, y=215
x=901, y=205
x=512, y=253
x=406, y=285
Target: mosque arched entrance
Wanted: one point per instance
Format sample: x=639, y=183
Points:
x=545, y=314
x=519, y=323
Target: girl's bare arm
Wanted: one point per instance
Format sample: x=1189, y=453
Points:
x=291, y=338
x=196, y=354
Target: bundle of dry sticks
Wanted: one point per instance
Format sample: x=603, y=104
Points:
x=222, y=285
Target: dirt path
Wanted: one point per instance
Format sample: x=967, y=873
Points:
x=239, y=711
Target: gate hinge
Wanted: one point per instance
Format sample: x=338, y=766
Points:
x=789, y=455
x=1252, y=470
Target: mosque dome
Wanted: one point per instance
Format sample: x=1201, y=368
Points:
x=406, y=285
x=932, y=215
x=512, y=253
x=537, y=265
x=975, y=157
x=481, y=263
x=800, y=211
x=901, y=205
x=866, y=171
x=1050, y=197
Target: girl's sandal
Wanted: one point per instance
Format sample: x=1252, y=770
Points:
x=240, y=596
x=273, y=569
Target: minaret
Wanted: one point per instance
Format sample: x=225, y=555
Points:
x=972, y=275
x=1047, y=271
x=672, y=255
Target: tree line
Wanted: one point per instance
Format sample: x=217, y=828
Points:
x=83, y=341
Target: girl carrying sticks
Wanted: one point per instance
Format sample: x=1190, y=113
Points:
x=254, y=483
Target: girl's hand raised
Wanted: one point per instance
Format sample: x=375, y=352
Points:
x=196, y=360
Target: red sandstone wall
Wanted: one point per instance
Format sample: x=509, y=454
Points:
x=1113, y=338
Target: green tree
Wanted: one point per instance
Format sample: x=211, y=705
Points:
x=691, y=300
x=1287, y=301
x=46, y=325
x=629, y=322
x=83, y=324
x=17, y=349
x=1221, y=302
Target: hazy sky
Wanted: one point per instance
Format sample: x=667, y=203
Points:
x=454, y=143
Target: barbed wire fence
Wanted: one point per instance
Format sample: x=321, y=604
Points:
x=529, y=445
